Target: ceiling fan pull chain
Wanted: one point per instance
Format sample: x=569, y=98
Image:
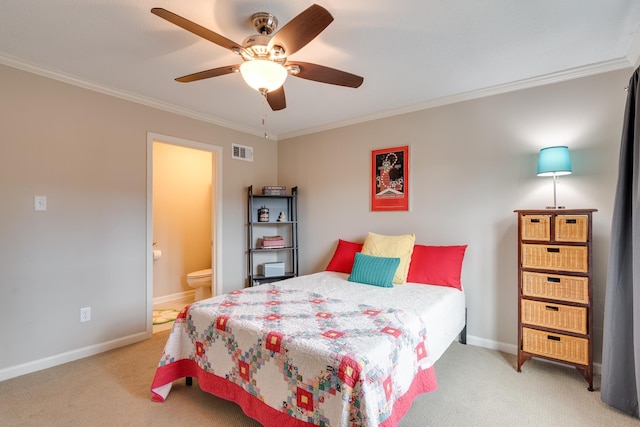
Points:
x=264, y=116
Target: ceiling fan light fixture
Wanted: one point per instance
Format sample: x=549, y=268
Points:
x=263, y=75
x=265, y=65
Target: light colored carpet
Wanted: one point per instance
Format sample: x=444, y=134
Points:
x=477, y=387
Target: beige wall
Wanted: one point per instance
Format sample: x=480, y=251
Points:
x=472, y=164
x=87, y=152
x=182, y=180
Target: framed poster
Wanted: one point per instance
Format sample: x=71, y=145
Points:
x=390, y=179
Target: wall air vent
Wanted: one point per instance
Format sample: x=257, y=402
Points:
x=242, y=152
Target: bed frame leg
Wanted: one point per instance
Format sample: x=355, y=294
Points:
x=189, y=381
x=463, y=333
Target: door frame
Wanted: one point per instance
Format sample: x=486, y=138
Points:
x=216, y=212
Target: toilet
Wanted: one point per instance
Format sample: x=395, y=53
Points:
x=201, y=281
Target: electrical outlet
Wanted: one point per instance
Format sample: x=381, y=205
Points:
x=85, y=314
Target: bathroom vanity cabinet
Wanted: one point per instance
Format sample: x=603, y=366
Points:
x=272, y=236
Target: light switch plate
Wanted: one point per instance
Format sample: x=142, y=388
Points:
x=40, y=203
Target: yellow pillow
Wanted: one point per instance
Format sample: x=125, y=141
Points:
x=391, y=247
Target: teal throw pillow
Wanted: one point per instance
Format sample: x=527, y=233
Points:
x=374, y=270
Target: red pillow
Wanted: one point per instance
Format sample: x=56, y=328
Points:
x=344, y=256
x=437, y=265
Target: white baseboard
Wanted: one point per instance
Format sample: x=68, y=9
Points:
x=174, y=297
x=513, y=349
x=492, y=345
x=70, y=356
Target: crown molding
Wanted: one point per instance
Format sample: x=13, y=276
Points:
x=632, y=58
x=129, y=96
x=574, y=73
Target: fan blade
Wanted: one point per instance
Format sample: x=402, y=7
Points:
x=322, y=74
x=215, y=72
x=196, y=29
x=301, y=29
x=276, y=99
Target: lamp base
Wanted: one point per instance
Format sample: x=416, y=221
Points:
x=556, y=207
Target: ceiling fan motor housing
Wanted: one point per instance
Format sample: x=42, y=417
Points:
x=256, y=47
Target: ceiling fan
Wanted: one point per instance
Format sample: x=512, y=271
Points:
x=265, y=55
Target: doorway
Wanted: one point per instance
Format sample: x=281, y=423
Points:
x=183, y=216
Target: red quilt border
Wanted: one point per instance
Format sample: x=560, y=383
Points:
x=253, y=407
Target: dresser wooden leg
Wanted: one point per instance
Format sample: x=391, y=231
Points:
x=522, y=357
x=587, y=373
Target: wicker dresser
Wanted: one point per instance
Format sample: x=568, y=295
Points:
x=555, y=296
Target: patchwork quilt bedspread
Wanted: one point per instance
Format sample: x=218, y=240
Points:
x=293, y=357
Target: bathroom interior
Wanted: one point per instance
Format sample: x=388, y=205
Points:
x=182, y=226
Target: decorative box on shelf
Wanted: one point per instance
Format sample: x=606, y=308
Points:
x=274, y=190
x=273, y=269
x=272, y=242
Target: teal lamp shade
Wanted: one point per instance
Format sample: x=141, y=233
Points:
x=554, y=161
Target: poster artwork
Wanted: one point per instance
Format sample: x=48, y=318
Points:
x=390, y=184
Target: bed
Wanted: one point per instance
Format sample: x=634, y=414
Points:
x=315, y=350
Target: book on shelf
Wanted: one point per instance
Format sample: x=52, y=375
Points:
x=273, y=242
x=274, y=190
x=272, y=238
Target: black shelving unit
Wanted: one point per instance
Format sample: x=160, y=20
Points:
x=257, y=256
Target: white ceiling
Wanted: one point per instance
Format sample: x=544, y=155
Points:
x=413, y=54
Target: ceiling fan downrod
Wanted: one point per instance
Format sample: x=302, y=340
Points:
x=264, y=23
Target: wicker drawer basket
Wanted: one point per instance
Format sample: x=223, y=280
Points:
x=556, y=316
x=551, y=257
x=556, y=286
x=536, y=227
x=570, y=349
x=571, y=228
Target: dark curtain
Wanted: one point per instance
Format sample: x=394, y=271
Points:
x=621, y=347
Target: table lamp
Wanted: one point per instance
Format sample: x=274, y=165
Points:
x=554, y=161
